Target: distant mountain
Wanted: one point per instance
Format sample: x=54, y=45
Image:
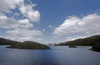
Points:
x=51, y=43
x=7, y=42
x=29, y=45
x=90, y=41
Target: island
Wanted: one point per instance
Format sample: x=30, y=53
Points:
x=96, y=47
x=72, y=46
x=29, y=45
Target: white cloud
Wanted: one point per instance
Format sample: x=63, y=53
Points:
x=69, y=26
x=55, y=37
x=87, y=26
x=24, y=35
x=75, y=37
x=16, y=14
x=25, y=23
x=25, y=38
x=2, y=14
x=29, y=1
x=43, y=30
x=29, y=12
x=26, y=9
x=3, y=17
x=8, y=23
x=6, y=5
x=51, y=27
x=24, y=32
x=19, y=29
x=1, y=36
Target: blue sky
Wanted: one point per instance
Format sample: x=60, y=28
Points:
x=49, y=21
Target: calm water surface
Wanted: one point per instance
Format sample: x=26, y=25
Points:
x=58, y=55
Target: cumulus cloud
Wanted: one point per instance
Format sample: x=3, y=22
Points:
x=55, y=37
x=51, y=27
x=70, y=38
x=26, y=9
x=29, y=12
x=24, y=35
x=25, y=38
x=43, y=30
x=87, y=26
x=19, y=29
x=24, y=32
x=16, y=14
x=6, y=5
x=8, y=23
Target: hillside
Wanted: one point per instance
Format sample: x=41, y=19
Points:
x=96, y=47
x=29, y=45
x=7, y=42
x=90, y=41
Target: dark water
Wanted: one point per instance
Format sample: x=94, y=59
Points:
x=58, y=55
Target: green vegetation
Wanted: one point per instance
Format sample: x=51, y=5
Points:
x=29, y=45
x=24, y=45
x=7, y=42
x=90, y=41
x=72, y=46
x=96, y=47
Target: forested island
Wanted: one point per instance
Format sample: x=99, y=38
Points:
x=29, y=45
x=24, y=45
x=96, y=47
x=93, y=41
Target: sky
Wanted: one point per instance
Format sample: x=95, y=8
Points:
x=49, y=21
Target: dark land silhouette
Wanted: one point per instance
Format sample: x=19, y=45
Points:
x=4, y=41
x=90, y=41
x=29, y=45
x=93, y=41
x=24, y=45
